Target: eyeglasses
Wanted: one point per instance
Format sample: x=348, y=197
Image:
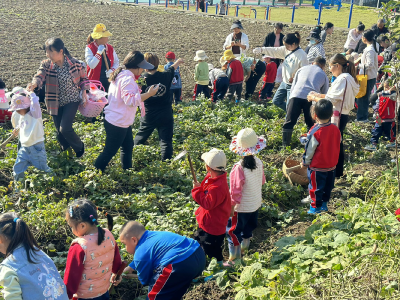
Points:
x=333, y=65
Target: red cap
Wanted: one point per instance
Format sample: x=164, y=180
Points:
x=170, y=55
x=397, y=213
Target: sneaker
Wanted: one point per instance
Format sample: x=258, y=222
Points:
x=391, y=145
x=314, y=211
x=370, y=147
x=228, y=264
x=306, y=200
x=324, y=206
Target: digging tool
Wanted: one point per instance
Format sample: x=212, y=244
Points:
x=10, y=138
x=182, y=154
x=105, y=60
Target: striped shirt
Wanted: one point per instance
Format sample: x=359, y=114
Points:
x=315, y=51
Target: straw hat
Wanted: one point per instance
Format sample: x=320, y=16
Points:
x=215, y=159
x=100, y=31
x=200, y=55
x=228, y=55
x=247, y=143
x=19, y=99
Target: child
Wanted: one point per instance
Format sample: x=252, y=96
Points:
x=124, y=98
x=159, y=114
x=235, y=74
x=28, y=125
x=321, y=157
x=5, y=115
x=165, y=261
x=219, y=81
x=201, y=75
x=93, y=256
x=176, y=86
x=215, y=204
x=385, y=120
x=269, y=78
x=26, y=272
x=246, y=179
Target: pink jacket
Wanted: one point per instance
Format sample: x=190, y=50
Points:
x=123, y=100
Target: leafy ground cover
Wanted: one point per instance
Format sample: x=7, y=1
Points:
x=352, y=252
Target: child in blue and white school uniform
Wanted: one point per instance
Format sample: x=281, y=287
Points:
x=246, y=179
x=176, y=86
x=28, y=125
x=26, y=272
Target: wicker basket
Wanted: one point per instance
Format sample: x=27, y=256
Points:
x=294, y=173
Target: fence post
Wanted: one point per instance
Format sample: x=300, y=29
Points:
x=351, y=12
x=255, y=12
x=237, y=10
x=183, y=5
x=187, y=6
x=197, y=6
x=267, y=13
x=244, y=2
x=206, y=7
x=273, y=2
x=166, y=3
x=259, y=2
x=216, y=9
x=319, y=13
x=294, y=9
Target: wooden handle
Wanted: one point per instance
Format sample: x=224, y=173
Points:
x=288, y=170
x=191, y=168
x=10, y=138
x=105, y=60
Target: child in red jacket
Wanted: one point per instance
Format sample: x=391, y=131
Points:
x=215, y=204
x=321, y=157
x=269, y=78
x=235, y=74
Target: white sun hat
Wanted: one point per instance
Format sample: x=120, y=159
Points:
x=247, y=143
x=215, y=159
x=200, y=55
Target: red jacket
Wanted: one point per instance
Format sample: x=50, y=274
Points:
x=270, y=72
x=215, y=204
x=235, y=72
x=322, y=148
x=94, y=74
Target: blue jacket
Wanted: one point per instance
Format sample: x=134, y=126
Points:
x=177, y=81
x=157, y=249
x=38, y=281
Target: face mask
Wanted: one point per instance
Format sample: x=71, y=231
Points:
x=312, y=42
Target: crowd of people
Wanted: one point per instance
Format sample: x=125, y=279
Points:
x=165, y=261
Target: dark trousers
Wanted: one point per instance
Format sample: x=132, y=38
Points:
x=171, y=282
x=175, y=94
x=255, y=76
x=320, y=186
x=211, y=244
x=202, y=6
x=163, y=121
x=198, y=89
x=66, y=135
x=293, y=112
x=105, y=296
x=387, y=128
x=235, y=89
x=363, y=102
x=266, y=90
x=241, y=226
x=116, y=138
x=105, y=83
x=340, y=165
x=220, y=88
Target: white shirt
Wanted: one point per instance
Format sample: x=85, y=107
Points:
x=92, y=61
x=338, y=91
x=369, y=62
x=291, y=63
x=244, y=41
x=30, y=125
x=352, y=39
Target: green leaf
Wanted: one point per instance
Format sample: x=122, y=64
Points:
x=259, y=291
x=310, y=230
x=242, y=295
x=285, y=241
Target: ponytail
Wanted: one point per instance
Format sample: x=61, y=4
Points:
x=292, y=38
x=56, y=44
x=369, y=35
x=130, y=62
x=89, y=39
x=360, y=26
x=85, y=211
x=249, y=162
x=115, y=73
x=348, y=66
x=18, y=233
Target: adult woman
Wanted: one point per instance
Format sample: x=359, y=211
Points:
x=158, y=108
x=353, y=38
x=97, y=46
x=64, y=78
x=237, y=41
x=341, y=94
x=369, y=65
x=124, y=98
x=328, y=30
x=294, y=58
x=316, y=49
x=275, y=38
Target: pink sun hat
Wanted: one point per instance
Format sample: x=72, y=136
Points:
x=247, y=143
x=19, y=99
